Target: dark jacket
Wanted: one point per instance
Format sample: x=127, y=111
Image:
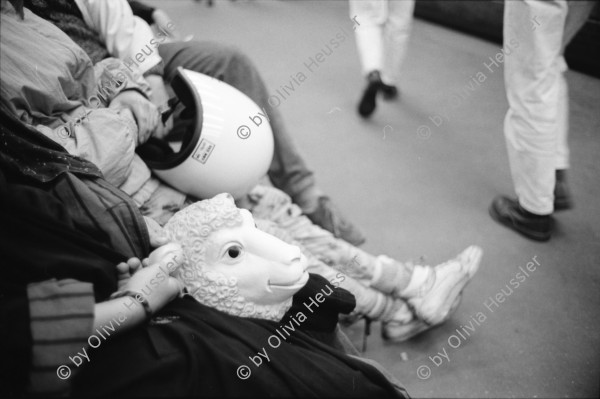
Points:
x=62, y=231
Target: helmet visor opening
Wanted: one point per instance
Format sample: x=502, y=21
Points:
x=157, y=153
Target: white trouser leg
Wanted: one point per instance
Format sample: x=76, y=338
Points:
x=576, y=18
x=370, y=17
x=562, y=146
x=535, y=87
x=396, y=36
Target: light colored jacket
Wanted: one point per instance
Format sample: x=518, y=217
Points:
x=124, y=34
x=52, y=85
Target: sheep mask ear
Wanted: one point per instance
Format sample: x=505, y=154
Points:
x=16, y=4
x=233, y=266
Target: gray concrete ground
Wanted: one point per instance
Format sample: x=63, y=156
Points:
x=420, y=189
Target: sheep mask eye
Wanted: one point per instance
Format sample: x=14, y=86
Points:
x=233, y=266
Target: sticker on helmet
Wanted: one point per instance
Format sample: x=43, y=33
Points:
x=203, y=151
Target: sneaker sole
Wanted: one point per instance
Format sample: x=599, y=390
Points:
x=389, y=330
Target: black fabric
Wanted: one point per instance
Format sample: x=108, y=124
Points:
x=15, y=336
x=52, y=226
x=188, y=349
x=143, y=11
x=197, y=351
x=66, y=15
x=154, y=149
x=52, y=222
x=38, y=242
x=15, y=347
x=337, y=300
x=28, y=153
x=48, y=239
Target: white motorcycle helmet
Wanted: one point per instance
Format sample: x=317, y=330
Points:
x=227, y=145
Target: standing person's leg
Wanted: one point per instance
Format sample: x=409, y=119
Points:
x=578, y=14
x=396, y=37
x=535, y=87
x=369, y=17
x=562, y=197
x=579, y=11
x=288, y=170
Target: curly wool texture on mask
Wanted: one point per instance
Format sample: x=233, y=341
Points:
x=225, y=268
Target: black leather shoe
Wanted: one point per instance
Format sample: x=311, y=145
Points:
x=509, y=213
x=390, y=92
x=367, y=102
x=562, y=197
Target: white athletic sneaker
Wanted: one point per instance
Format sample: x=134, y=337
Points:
x=398, y=331
x=433, y=291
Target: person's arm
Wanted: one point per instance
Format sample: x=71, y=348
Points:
x=106, y=138
x=146, y=292
x=112, y=77
x=61, y=318
x=143, y=11
x=134, y=93
x=64, y=317
x=124, y=35
x=155, y=16
x=159, y=97
x=131, y=40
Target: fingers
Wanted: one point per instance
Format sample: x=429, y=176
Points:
x=163, y=129
x=158, y=241
x=170, y=255
x=163, y=288
x=144, y=113
x=123, y=271
x=157, y=236
x=175, y=260
x=123, y=275
x=147, y=116
x=160, y=98
x=177, y=285
x=134, y=265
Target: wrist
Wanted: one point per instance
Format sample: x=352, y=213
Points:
x=138, y=298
